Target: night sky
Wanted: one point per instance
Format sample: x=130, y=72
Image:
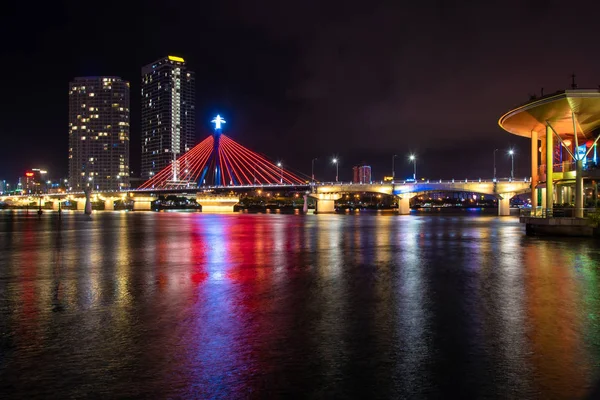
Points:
x=296, y=80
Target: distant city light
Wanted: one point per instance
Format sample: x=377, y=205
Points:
x=412, y=157
x=335, y=160
x=511, y=152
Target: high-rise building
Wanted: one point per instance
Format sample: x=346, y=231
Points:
x=361, y=174
x=34, y=181
x=98, y=133
x=168, y=114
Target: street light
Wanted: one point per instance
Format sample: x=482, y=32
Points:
x=495, y=150
x=335, y=161
x=413, y=158
x=393, y=167
x=312, y=169
x=280, y=172
x=511, y=153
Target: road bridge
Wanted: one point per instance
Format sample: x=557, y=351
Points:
x=222, y=198
x=503, y=190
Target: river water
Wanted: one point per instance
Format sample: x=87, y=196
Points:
x=192, y=305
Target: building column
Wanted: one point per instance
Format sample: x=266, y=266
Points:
x=579, y=189
x=404, y=205
x=534, y=169
x=543, y=190
x=560, y=190
x=56, y=205
x=549, y=170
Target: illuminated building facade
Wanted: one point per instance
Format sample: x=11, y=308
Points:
x=34, y=182
x=168, y=114
x=564, y=130
x=361, y=174
x=98, y=133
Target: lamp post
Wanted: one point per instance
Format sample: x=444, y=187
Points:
x=413, y=158
x=393, y=167
x=511, y=153
x=335, y=161
x=312, y=169
x=495, y=150
x=280, y=172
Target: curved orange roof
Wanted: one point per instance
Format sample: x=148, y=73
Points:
x=557, y=110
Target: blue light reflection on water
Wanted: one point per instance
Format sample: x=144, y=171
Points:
x=226, y=306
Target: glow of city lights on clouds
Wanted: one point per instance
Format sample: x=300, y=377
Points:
x=218, y=121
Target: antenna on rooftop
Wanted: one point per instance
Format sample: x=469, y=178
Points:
x=573, y=84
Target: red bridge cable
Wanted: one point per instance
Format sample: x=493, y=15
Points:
x=238, y=162
x=199, y=161
x=269, y=167
x=289, y=176
x=252, y=157
x=160, y=178
x=234, y=165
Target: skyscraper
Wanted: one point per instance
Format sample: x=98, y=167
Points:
x=98, y=133
x=361, y=174
x=168, y=114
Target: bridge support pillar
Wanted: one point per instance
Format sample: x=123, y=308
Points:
x=404, y=205
x=325, y=202
x=109, y=204
x=80, y=204
x=217, y=203
x=504, y=206
x=141, y=204
x=325, y=206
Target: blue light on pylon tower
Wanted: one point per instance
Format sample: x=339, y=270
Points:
x=220, y=161
x=218, y=121
x=215, y=157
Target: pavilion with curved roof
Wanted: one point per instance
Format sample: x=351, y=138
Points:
x=567, y=126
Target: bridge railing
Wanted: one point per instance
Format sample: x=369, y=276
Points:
x=410, y=181
x=568, y=166
x=285, y=185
